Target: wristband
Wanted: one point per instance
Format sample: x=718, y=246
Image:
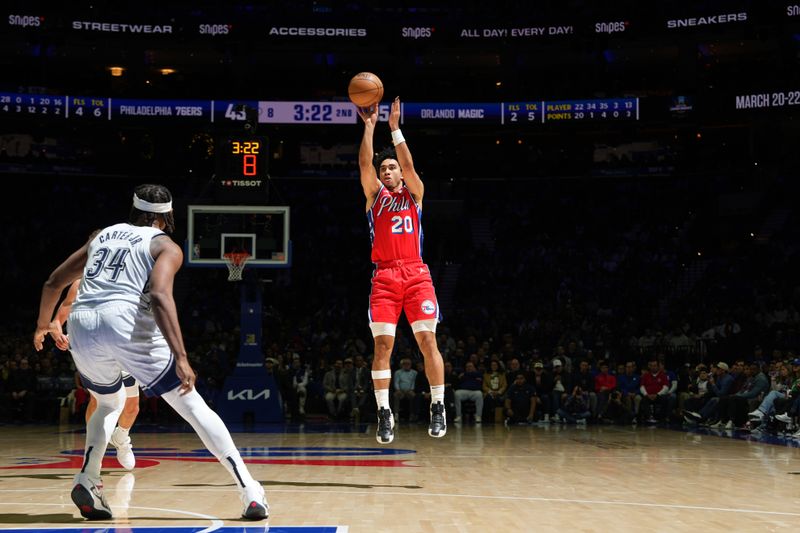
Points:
x=397, y=137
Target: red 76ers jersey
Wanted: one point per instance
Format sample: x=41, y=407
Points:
x=394, y=226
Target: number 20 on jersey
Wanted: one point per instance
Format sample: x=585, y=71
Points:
x=402, y=224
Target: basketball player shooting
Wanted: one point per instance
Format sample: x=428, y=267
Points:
x=401, y=282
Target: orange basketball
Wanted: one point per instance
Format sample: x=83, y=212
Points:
x=365, y=89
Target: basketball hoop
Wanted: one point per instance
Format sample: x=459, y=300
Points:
x=235, y=262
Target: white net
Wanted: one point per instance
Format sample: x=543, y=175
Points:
x=236, y=262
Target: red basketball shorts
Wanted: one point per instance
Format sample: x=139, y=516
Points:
x=401, y=286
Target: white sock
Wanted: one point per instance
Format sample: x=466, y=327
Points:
x=382, y=398
x=437, y=393
x=98, y=430
x=121, y=434
x=235, y=466
x=212, y=432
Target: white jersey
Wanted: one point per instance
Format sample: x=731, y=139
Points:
x=112, y=328
x=119, y=266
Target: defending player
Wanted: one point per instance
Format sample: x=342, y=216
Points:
x=124, y=317
x=401, y=282
x=120, y=438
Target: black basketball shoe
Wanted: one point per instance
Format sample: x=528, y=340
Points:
x=385, y=432
x=438, y=427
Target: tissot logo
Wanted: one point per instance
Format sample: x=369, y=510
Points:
x=215, y=29
x=248, y=394
x=422, y=32
x=611, y=27
x=242, y=183
x=705, y=21
x=25, y=21
x=114, y=27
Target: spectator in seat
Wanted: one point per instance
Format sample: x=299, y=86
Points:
x=561, y=387
x=720, y=382
x=336, y=386
x=733, y=409
x=584, y=379
x=699, y=391
x=513, y=368
x=629, y=384
x=604, y=385
x=403, y=383
x=655, y=390
x=780, y=384
x=22, y=391
x=300, y=376
x=576, y=407
x=542, y=384
x=672, y=394
x=520, y=402
x=362, y=386
x=739, y=376
x=470, y=388
x=616, y=412
x=785, y=387
x=686, y=378
x=494, y=387
x=422, y=394
x=789, y=407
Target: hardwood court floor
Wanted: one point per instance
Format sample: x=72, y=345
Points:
x=487, y=478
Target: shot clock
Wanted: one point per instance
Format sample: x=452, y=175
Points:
x=242, y=168
x=243, y=158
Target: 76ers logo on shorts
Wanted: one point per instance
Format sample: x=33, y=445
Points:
x=428, y=308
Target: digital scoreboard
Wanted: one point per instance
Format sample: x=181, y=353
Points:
x=306, y=113
x=598, y=110
x=232, y=112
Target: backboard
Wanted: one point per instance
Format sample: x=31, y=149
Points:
x=261, y=231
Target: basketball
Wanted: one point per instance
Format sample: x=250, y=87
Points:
x=365, y=89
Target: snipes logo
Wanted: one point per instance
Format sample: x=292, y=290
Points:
x=421, y=32
x=611, y=27
x=215, y=29
x=707, y=21
x=25, y=21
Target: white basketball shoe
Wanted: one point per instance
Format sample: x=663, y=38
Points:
x=87, y=494
x=255, y=503
x=122, y=442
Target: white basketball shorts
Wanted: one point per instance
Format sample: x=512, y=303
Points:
x=116, y=337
